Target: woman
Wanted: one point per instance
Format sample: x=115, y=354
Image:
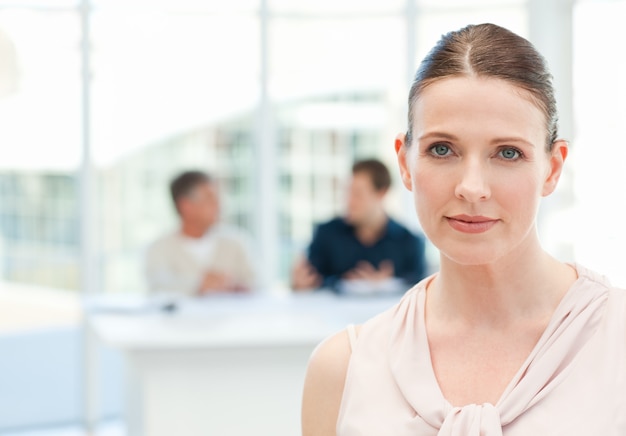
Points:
x=505, y=339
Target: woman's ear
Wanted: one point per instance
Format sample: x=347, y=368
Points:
x=401, y=152
x=557, y=159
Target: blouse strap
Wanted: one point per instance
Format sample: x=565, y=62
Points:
x=351, y=336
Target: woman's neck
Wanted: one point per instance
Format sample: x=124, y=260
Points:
x=522, y=285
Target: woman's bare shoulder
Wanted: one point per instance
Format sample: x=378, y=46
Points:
x=330, y=358
x=323, y=385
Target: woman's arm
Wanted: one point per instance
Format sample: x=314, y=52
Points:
x=323, y=386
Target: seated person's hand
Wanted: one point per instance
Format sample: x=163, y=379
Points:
x=304, y=276
x=366, y=271
x=365, y=279
x=214, y=281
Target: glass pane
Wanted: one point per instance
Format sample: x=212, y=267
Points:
x=39, y=244
x=39, y=109
x=192, y=7
x=314, y=57
x=464, y=4
x=349, y=7
x=598, y=153
x=171, y=92
x=40, y=4
x=339, y=87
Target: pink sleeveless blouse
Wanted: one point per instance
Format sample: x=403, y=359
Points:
x=573, y=382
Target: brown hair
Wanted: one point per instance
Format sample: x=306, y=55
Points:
x=184, y=184
x=377, y=172
x=487, y=50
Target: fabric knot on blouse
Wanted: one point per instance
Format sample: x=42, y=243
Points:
x=471, y=420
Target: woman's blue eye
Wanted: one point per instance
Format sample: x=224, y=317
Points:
x=510, y=153
x=440, y=149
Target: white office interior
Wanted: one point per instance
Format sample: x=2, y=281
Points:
x=103, y=101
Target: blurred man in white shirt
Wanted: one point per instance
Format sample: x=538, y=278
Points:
x=202, y=256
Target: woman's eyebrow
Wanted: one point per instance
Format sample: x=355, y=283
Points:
x=512, y=139
x=439, y=135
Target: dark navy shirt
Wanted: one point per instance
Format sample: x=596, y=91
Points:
x=335, y=250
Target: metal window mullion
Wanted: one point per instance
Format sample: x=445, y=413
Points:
x=88, y=273
x=265, y=165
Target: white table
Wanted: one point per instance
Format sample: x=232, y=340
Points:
x=223, y=365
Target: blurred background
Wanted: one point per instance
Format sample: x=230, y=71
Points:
x=103, y=101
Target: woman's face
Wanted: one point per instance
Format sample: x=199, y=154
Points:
x=478, y=167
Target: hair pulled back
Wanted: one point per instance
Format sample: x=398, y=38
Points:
x=488, y=51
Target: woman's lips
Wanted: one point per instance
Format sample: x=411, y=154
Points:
x=471, y=224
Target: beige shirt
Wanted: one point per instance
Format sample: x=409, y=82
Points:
x=573, y=383
x=176, y=263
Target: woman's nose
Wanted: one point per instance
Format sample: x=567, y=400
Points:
x=473, y=185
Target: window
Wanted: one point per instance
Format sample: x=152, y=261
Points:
x=598, y=152
x=39, y=246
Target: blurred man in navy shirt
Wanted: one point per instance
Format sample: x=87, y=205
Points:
x=364, y=251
